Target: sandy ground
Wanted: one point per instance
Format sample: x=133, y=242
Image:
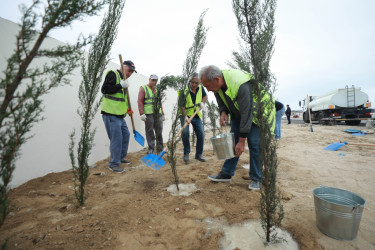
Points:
x=134, y=210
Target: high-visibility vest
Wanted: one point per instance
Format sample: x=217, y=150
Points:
x=190, y=107
x=117, y=103
x=234, y=78
x=149, y=100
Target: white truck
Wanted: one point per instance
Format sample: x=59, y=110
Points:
x=348, y=104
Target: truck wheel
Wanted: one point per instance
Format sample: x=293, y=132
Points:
x=320, y=117
x=356, y=122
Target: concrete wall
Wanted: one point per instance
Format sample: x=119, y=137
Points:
x=47, y=150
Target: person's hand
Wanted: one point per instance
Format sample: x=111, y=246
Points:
x=223, y=119
x=187, y=119
x=163, y=118
x=240, y=147
x=143, y=117
x=200, y=105
x=124, y=84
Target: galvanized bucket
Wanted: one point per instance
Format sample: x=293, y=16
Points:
x=224, y=146
x=338, y=212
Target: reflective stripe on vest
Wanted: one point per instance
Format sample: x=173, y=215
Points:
x=116, y=104
x=234, y=78
x=149, y=100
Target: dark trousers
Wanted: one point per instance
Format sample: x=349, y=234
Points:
x=288, y=117
x=150, y=132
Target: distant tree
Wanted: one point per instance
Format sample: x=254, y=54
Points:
x=255, y=20
x=92, y=73
x=24, y=85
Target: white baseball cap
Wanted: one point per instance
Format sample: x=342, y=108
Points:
x=153, y=76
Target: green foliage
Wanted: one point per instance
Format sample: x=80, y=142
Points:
x=213, y=114
x=172, y=145
x=156, y=105
x=23, y=85
x=181, y=82
x=255, y=20
x=92, y=72
x=194, y=53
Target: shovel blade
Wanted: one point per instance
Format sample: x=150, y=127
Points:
x=335, y=146
x=154, y=161
x=139, y=138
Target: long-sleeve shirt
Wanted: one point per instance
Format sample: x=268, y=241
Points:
x=245, y=103
x=141, y=100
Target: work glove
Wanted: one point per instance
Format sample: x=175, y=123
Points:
x=124, y=84
x=143, y=117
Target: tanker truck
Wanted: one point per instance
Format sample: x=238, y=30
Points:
x=348, y=104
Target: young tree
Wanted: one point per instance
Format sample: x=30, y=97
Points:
x=213, y=114
x=23, y=86
x=159, y=97
x=92, y=73
x=180, y=83
x=255, y=20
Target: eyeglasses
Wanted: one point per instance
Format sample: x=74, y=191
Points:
x=194, y=82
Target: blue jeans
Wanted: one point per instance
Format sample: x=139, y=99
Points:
x=279, y=114
x=252, y=140
x=118, y=134
x=198, y=129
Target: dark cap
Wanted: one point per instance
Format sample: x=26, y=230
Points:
x=130, y=65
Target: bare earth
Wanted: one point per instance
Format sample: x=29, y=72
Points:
x=134, y=210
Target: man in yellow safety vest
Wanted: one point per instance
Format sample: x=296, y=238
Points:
x=114, y=106
x=145, y=107
x=233, y=92
x=194, y=96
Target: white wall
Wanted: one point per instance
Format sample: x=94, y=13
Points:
x=47, y=151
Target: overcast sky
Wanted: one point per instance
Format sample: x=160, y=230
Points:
x=320, y=46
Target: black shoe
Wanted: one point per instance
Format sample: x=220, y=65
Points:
x=186, y=159
x=116, y=169
x=200, y=158
x=220, y=177
x=126, y=162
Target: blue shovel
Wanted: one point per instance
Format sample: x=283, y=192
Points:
x=156, y=161
x=137, y=136
x=337, y=145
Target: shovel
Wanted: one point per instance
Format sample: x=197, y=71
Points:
x=137, y=136
x=337, y=145
x=156, y=161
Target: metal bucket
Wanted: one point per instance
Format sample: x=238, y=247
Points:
x=224, y=146
x=338, y=212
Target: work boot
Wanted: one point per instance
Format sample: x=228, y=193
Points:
x=255, y=185
x=186, y=158
x=126, y=162
x=200, y=158
x=221, y=177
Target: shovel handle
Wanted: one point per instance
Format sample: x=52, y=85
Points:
x=127, y=91
x=361, y=144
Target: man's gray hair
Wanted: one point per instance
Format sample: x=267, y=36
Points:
x=210, y=72
x=194, y=75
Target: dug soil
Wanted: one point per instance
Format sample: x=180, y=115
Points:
x=134, y=210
